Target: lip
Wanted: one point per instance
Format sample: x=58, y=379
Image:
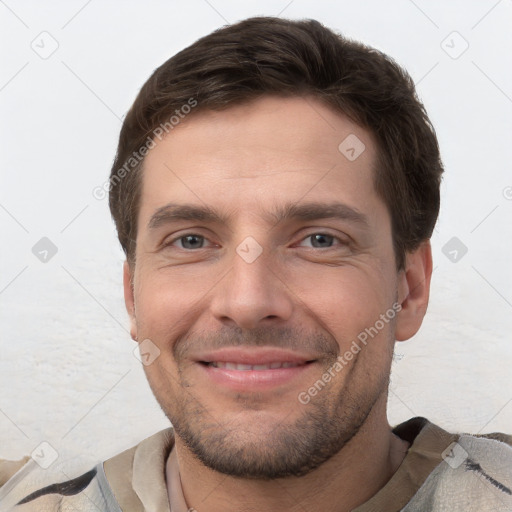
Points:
x=254, y=380
x=255, y=356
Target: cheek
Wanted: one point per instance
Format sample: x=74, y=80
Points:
x=343, y=300
x=163, y=313
x=165, y=303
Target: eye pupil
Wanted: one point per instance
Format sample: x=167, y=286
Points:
x=321, y=240
x=192, y=242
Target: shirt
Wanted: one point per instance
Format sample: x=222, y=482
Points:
x=440, y=472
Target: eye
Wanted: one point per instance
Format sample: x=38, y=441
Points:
x=319, y=240
x=190, y=242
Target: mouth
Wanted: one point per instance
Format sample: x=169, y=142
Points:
x=245, y=370
x=228, y=365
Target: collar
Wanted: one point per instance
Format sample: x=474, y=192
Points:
x=137, y=476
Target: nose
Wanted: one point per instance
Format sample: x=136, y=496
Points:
x=251, y=294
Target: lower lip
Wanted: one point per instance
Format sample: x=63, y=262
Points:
x=254, y=380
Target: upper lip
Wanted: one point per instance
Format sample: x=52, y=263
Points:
x=254, y=356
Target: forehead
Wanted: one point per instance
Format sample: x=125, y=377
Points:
x=251, y=157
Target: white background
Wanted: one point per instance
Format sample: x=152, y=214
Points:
x=67, y=372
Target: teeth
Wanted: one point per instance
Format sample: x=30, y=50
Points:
x=236, y=366
x=239, y=366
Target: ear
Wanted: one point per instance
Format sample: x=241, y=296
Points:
x=414, y=291
x=129, y=299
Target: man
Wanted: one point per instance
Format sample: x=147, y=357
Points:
x=274, y=190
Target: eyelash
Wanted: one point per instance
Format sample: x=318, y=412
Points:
x=335, y=239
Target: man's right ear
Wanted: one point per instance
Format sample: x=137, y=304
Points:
x=129, y=299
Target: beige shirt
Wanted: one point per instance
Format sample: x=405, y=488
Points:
x=137, y=477
x=135, y=480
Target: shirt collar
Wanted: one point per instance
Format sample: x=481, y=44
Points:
x=149, y=490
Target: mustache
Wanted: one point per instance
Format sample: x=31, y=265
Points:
x=296, y=339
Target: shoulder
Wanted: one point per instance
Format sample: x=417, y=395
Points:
x=25, y=487
x=86, y=492
x=496, y=436
x=475, y=474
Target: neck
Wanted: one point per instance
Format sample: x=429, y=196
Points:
x=351, y=477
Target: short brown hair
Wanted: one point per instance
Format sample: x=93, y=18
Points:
x=263, y=56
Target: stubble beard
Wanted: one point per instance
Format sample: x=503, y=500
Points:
x=286, y=449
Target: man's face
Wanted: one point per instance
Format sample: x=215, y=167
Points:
x=260, y=243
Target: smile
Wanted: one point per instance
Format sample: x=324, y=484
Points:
x=245, y=367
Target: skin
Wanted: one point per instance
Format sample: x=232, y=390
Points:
x=263, y=449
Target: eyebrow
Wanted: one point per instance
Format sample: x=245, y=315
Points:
x=179, y=212
x=315, y=211
x=305, y=211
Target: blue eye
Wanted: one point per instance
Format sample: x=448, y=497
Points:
x=191, y=241
x=320, y=240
